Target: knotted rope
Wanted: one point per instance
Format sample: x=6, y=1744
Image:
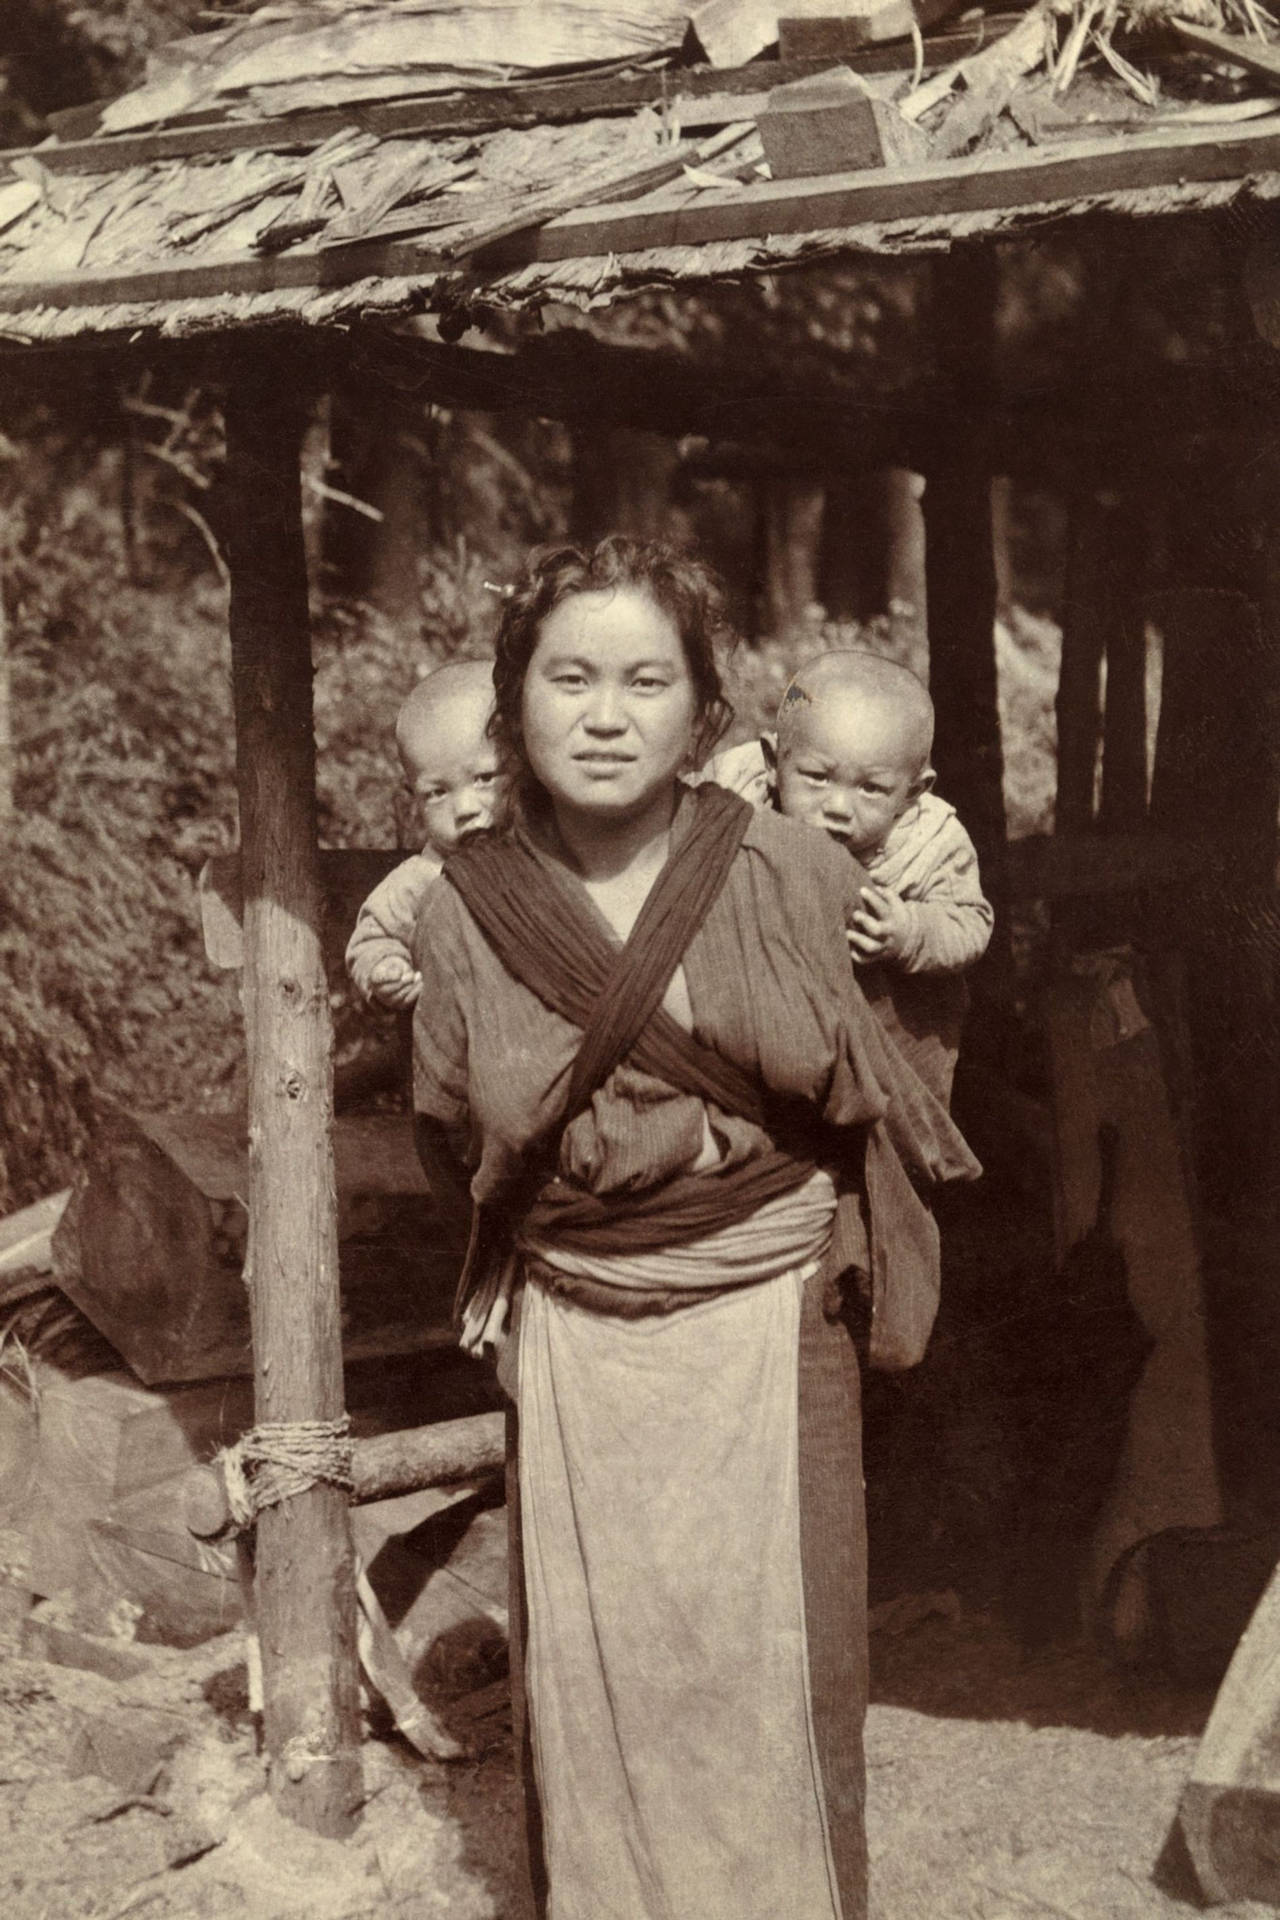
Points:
x=281, y=1459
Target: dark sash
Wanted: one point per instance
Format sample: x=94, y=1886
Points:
x=544, y=938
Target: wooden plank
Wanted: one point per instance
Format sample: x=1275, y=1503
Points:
x=1240, y=50
x=627, y=183
x=1106, y=1066
x=1094, y=168
x=305, y=1569
x=480, y=112
x=1123, y=807
x=1088, y=169
x=26, y=1236
x=1078, y=706
x=847, y=29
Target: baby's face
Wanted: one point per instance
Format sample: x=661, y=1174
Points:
x=451, y=771
x=849, y=770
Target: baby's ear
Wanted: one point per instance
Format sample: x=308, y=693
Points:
x=769, y=748
x=922, y=782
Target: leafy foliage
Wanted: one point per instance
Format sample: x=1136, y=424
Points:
x=122, y=787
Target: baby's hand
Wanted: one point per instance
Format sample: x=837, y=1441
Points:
x=878, y=929
x=394, y=982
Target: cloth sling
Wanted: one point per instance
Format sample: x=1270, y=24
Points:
x=543, y=938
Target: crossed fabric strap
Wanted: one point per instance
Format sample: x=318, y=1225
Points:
x=544, y=938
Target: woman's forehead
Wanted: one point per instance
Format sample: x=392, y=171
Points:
x=610, y=621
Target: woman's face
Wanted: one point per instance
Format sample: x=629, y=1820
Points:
x=608, y=706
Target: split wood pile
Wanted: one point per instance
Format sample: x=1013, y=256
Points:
x=125, y=1362
x=151, y=1247
x=409, y=143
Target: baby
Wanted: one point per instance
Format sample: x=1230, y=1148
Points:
x=851, y=756
x=450, y=770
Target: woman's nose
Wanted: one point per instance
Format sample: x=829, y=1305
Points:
x=604, y=710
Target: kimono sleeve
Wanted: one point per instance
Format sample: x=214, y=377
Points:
x=440, y=1018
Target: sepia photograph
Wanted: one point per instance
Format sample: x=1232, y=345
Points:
x=639, y=960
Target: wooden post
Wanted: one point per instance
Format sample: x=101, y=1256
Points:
x=1078, y=706
x=960, y=571
x=792, y=526
x=1124, y=726
x=6, y=722
x=305, y=1594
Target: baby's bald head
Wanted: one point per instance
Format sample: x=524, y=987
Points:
x=854, y=735
x=865, y=691
x=449, y=761
x=456, y=699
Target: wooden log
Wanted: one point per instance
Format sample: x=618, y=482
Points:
x=386, y=1464
x=305, y=1583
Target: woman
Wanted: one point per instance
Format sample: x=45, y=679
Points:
x=640, y=1034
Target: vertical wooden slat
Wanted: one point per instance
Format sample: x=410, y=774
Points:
x=1124, y=726
x=960, y=572
x=305, y=1574
x=1078, y=707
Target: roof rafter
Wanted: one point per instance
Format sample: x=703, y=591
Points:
x=482, y=111
x=1089, y=172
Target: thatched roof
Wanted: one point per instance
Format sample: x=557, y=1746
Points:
x=318, y=163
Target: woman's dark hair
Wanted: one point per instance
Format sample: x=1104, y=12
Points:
x=688, y=592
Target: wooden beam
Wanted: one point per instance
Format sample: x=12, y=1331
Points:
x=306, y=1601
x=1123, y=807
x=1247, y=51
x=960, y=570
x=940, y=189
x=382, y=1466
x=1078, y=705
x=1057, y=181
x=482, y=111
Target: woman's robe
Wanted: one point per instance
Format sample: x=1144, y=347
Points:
x=687, y=1500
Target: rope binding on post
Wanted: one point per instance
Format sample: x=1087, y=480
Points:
x=281, y=1459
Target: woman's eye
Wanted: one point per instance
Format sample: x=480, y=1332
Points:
x=570, y=681
x=649, y=682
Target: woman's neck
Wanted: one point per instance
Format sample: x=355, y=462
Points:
x=604, y=850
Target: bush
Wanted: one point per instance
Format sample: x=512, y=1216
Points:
x=123, y=786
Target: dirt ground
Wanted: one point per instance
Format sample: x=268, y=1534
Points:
x=999, y=1790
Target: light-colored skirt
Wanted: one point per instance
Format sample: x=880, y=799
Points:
x=681, y=1757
